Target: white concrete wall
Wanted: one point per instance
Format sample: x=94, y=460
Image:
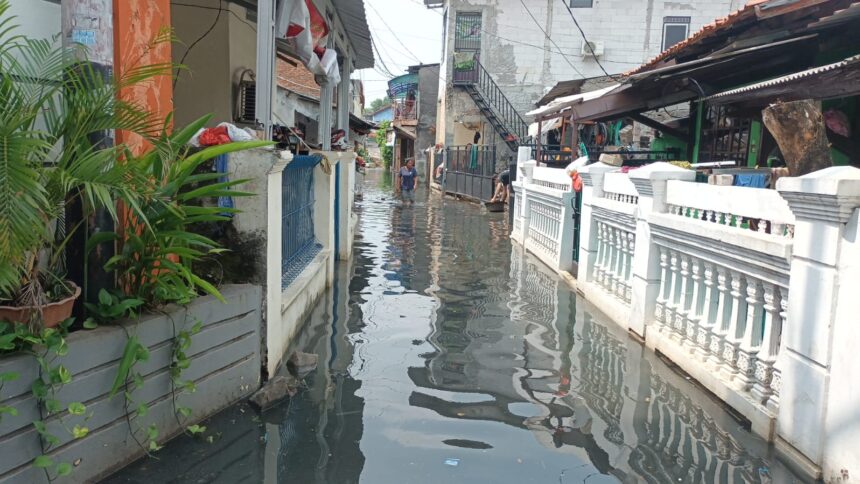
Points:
x=261, y=217
x=525, y=64
x=703, y=288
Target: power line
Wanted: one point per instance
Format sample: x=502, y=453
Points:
x=550, y=39
x=204, y=7
x=381, y=61
x=393, y=33
x=193, y=44
x=585, y=39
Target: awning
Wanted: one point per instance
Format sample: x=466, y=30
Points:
x=563, y=88
x=399, y=87
x=359, y=125
x=548, y=126
x=780, y=86
x=354, y=18
x=562, y=103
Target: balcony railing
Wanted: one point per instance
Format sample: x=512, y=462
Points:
x=406, y=110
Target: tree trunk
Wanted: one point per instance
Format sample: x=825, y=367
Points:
x=801, y=134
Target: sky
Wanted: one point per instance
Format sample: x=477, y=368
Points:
x=407, y=33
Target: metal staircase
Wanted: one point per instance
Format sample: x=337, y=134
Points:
x=493, y=103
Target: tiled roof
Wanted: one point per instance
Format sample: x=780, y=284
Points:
x=298, y=79
x=718, y=25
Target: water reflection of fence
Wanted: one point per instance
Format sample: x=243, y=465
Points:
x=617, y=402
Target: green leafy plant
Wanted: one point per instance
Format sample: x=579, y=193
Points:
x=382, y=142
x=52, y=109
x=111, y=306
x=155, y=262
x=46, y=346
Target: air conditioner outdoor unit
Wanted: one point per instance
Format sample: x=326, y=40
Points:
x=597, y=47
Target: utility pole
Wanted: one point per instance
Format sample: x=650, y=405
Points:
x=88, y=31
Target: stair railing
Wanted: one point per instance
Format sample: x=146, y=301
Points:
x=493, y=95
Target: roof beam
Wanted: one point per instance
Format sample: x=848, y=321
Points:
x=653, y=123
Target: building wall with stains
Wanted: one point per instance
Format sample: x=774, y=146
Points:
x=526, y=62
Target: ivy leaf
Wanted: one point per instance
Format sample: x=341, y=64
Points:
x=9, y=376
x=153, y=446
x=142, y=410
x=7, y=341
x=196, y=429
x=6, y=409
x=43, y=462
x=62, y=349
x=184, y=411
x=40, y=389
x=77, y=408
x=152, y=432
x=80, y=432
x=40, y=426
x=64, y=374
x=197, y=327
x=64, y=469
x=52, y=405
x=90, y=323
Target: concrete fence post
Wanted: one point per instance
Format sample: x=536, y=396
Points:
x=818, y=365
x=346, y=168
x=592, y=187
x=325, y=210
x=650, y=183
x=566, y=231
x=526, y=175
x=274, y=265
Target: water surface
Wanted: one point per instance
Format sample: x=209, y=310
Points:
x=447, y=355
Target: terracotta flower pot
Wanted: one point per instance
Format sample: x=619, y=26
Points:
x=52, y=314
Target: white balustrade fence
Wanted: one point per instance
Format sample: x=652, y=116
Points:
x=711, y=276
x=543, y=214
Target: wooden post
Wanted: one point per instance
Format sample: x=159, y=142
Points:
x=537, y=142
x=799, y=130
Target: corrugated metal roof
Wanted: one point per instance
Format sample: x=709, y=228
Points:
x=788, y=78
x=567, y=101
x=354, y=18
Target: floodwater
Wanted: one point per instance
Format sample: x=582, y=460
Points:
x=446, y=355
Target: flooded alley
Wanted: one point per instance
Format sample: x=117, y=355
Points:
x=447, y=355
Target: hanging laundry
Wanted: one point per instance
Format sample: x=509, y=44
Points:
x=752, y=180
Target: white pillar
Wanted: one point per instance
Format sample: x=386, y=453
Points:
x=344, y=99
x=325, y=211
x=266, y=72
x=325, y=119
x=819, y=396
x=650, y=182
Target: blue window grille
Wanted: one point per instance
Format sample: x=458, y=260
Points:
x=299, y=245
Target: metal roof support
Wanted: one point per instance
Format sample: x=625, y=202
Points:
x=265, y=75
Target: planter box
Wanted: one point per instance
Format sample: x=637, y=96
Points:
x=225, y=366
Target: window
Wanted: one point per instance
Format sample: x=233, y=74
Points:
x=675, y=29
x=467, y=35
x=725, y=136
x=581, y=3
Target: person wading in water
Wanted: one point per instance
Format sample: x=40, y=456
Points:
x=407, y=182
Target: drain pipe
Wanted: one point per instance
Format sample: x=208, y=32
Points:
x=88, y=30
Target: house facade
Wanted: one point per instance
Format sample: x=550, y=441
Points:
x=414, y=97
x=520, y=51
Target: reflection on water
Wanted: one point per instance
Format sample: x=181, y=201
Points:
x=447, y=355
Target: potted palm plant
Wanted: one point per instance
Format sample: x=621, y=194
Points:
x=52, y=106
